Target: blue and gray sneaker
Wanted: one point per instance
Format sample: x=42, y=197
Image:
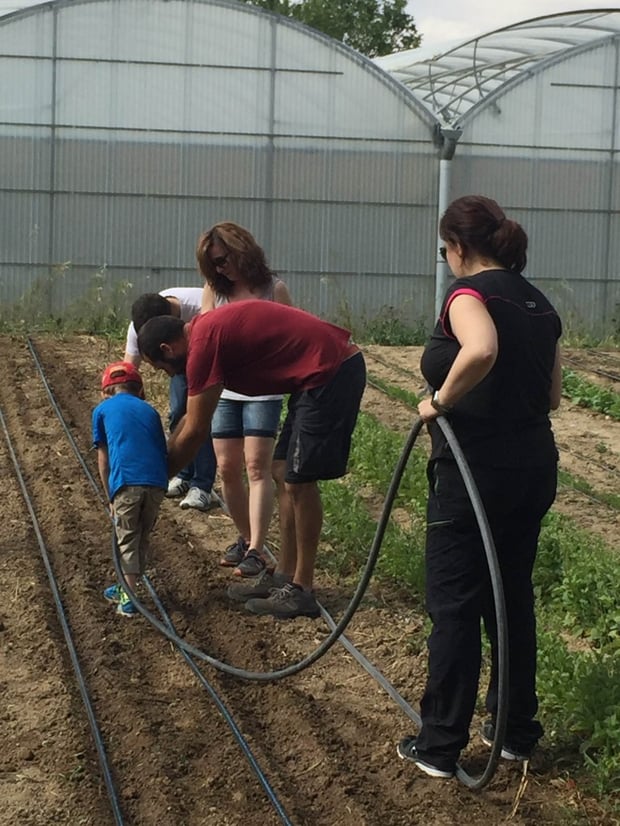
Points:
x=113, y=593
x=125, y=607
x=116, y=595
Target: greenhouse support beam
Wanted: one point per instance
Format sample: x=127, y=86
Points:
x=447, y=145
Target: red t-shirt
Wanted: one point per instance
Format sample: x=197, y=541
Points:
x=262, y=347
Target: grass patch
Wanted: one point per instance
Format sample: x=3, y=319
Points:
x=576, y=580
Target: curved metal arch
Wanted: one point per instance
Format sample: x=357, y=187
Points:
x=11, y=9
x=469, y=75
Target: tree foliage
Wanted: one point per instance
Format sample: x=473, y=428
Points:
x=372, y=27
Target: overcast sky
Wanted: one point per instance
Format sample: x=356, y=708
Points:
x=444, y=23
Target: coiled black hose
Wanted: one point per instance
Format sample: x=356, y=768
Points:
x=473, y=783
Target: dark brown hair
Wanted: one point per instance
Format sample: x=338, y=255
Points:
x=480, y=226
x=243, y=251
x=161, y=329
x=146, y=306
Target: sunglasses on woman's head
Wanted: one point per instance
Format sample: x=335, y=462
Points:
x=220, y=261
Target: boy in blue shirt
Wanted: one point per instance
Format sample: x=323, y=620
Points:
x=132, y=462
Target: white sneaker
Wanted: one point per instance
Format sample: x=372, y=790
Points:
x=177, y=487
x=199, y=499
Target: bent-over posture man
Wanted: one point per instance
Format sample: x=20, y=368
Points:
x=193, y=484
x=263, y=347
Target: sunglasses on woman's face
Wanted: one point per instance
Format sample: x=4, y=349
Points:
x=220, y=261
x=444, y=253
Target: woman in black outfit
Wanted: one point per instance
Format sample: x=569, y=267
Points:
x=494, y=368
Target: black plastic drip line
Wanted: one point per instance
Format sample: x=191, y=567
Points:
x=158, y=604
x=242, y=742
x=474, y=783
x=101, y=752
x=500, y=613
x=332, y=637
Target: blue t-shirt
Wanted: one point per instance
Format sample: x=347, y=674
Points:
x=132, y=432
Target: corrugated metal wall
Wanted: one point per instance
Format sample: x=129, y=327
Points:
x=129, y=126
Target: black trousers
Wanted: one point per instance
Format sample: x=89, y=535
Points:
x=458, y=595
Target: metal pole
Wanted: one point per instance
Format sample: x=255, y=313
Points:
x=447, y=143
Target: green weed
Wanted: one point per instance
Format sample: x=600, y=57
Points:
x=587, y=394
x=101, y=308
x=576, y=580
x=387, y=327
x=395, y=392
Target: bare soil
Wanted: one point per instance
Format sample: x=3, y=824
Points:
x=325, y=738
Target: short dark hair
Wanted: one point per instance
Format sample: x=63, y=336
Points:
x=148, y=306
x=163, y=329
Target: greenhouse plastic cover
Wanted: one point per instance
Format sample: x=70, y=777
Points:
x=451, y=84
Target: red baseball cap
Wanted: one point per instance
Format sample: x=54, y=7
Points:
x=118, y=373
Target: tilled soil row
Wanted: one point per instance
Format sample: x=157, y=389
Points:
x=326, y=737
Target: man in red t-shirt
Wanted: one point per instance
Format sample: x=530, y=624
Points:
x=257, y=347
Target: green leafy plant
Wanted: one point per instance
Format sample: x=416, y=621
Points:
x=388, y=328
x=587, y=394
x=576, y=580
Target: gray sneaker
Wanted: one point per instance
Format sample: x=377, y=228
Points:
x=286, y=602
x=257, y=588
x=234, y=553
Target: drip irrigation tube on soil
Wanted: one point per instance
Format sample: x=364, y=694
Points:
x=337, y=630
x=328, y=642
x=275, y=802
x=221, y=707
x=92, y=720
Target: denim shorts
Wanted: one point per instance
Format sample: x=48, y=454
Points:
x=234, y=419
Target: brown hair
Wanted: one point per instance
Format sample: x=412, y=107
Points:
x=480, y=226
x=245, y=254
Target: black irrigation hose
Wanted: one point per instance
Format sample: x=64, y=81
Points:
x=328, y=642
x=496, y=584
x=500, y=613
x=473, y=783
x=224, y=712
x=209, y=688
x=101, y=753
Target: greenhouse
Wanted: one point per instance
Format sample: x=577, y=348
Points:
x=129, y=126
